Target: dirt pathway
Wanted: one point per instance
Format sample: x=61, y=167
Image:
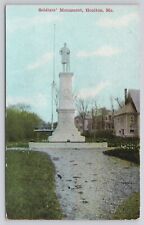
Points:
x=89, y=184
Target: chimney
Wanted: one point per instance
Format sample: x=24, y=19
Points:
x=125, y=94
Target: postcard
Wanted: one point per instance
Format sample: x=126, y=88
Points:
x=72, y=112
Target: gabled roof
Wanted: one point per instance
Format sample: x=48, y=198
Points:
x=135, y=96
x=128, y=108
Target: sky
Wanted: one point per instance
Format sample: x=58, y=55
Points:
x=104, y=53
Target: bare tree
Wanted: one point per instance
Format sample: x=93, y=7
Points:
x=120, y=102
x=82, y=106
x=94, y=109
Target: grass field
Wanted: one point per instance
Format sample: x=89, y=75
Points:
x=30, y=186
x=129, y=209
x=17, y=144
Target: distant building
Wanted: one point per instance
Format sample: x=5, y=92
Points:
x=109, y=121
x=97, y=120
x=103, y=120
x=127, y=118
x=83, y=125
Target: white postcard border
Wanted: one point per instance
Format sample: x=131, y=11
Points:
x=2, y=113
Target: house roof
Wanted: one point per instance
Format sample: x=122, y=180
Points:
x=125, y=109
x=135, y=96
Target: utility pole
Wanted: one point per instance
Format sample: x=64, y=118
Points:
x=53, y=82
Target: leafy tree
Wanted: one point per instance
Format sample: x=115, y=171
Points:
x=20, y=123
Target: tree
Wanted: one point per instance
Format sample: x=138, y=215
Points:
x=119, y=102
x=82, y=106
x=20, y=123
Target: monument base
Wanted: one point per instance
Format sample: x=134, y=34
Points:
x=64, y=134
x=66, y=145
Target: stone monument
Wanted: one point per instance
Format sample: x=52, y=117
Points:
x=66, y=130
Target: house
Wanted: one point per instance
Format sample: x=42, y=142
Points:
x=109, y=121
x=98, y=120
x=103, y=120
x=127, y=118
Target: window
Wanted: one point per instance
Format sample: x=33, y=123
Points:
x=132, y=118
x=131, y=131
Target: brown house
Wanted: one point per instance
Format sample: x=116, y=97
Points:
x=100, y=120
x=126, y=119
x=108, y=121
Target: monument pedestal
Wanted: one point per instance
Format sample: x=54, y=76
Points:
x=66, y=130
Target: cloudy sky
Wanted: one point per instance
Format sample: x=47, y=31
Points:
x=104, y=53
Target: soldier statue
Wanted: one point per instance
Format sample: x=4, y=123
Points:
x=65, y=59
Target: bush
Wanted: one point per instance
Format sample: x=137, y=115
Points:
x=131, y=155
x=114, y=141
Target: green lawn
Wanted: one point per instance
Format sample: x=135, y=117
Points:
x=17, y=144
x=30, y=186
x=129, y=209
